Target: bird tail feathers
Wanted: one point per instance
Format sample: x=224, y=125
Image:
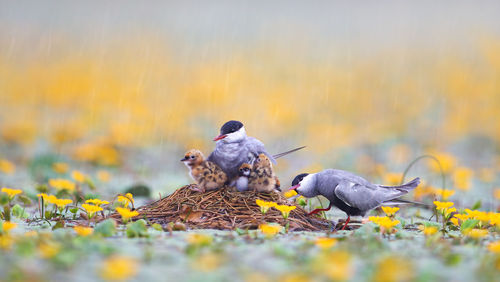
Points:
x=405, y=187
x=287, y=152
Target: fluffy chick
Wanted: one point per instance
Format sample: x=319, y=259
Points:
x=207, y=174
x=262, y=177
x=244, y=173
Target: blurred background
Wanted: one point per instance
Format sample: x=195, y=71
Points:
x=120, y=89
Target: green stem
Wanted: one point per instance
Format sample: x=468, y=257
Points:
x=6, y=212
x=443, y=177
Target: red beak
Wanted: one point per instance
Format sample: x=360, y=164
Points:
x=294, y=187
x=222, y=136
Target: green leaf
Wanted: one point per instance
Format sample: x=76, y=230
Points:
x=106, y=228
x=19, y=212
x=24, y=199
x=157, y=227
x=468, y=224
x=59, y=224
x=139, y=190
x=73, y=210
x=137, y=229
x=4, y=199
x=240, y=231
x=477, y=205
x=90, y=184
x=42, y=188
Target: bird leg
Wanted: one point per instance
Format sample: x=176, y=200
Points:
x=318, y=210
x=346, y=222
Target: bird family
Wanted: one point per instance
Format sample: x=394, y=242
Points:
x=242, y=162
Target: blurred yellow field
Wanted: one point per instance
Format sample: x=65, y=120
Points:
x=99, y=102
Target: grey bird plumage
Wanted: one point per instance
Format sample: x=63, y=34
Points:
x=349, y=192
x=234, y=148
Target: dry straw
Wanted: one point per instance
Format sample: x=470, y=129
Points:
x=225, y=209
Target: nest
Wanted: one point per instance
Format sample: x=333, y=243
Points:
x=225, y=209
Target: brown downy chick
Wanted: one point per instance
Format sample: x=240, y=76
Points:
x=243, y=175
x=207, y=175
x=262, y=178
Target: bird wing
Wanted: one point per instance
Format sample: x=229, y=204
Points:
x=364, y=197
x=355, y=195
x=256, y=147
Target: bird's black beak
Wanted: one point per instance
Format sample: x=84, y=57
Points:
x=184, y=159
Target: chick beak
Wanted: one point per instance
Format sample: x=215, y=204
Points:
x=184, y=159
x=222, y=136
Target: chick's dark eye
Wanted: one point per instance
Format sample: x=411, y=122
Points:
x=192, y=157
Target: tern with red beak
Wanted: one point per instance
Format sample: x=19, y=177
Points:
x=350, y=193
x=234, y=147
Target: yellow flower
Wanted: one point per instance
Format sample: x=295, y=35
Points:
x=270, y=229
x=11, y=192
x=118, y=268
x=49, y=250
x=392, y=178
x=335, y=265
x=83, y=231
x=454, y=221
x=103, y=176
x=475, y=233
x=96, y=202
x=429, y=230
x=290, y=193
x=497, y=193
x=78, y=176
x=423, y=190
x=7, y=167
x=126, y=213
x=60, y=168
x=199, y=239
x=126, y=199
x=386, y=224
x=6, y=242
x=462, y=217
x=61, y=203
x=479, y=215
x=393, y=269
x=7, y=226
x=494, y=247
x=487, y=175
x=390, y=211
x=495, y=219
x=91, y=209
x=47, y=199
x=325, y=242
x=264, y=205
x=447, y=162
x=461, y=178
x=445, y=207
x=285, y=210
x=207, y=262
x=62, y=184
x=444, y=193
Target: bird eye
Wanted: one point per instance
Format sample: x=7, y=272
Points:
x=192, y=157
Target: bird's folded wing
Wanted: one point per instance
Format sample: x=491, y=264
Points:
x=256, y=147
x=357, y=195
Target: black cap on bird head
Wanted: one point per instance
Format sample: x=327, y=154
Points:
x=228, y=128
x=299, y=178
